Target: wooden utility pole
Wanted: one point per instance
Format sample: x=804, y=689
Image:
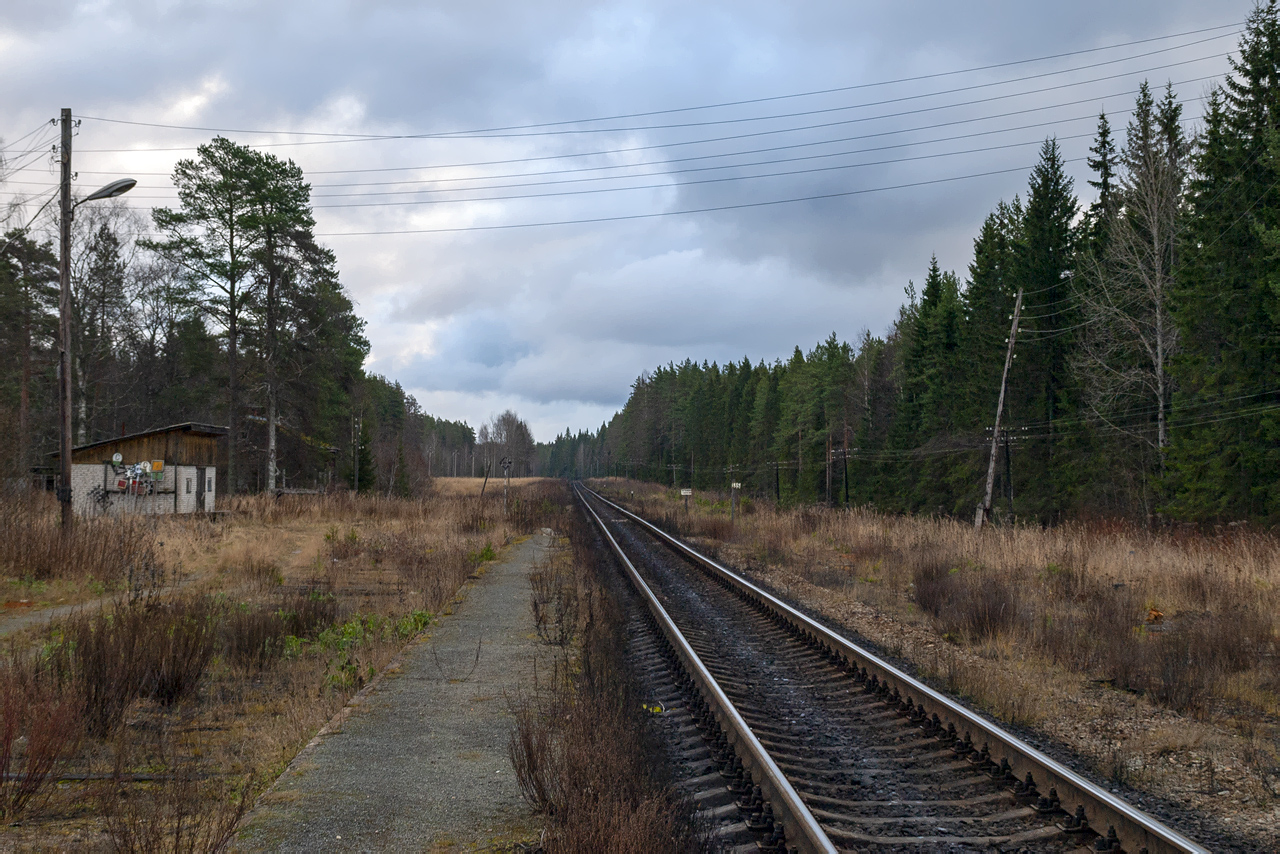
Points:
x=506, y=481
x=64, y=326
x=984, y=509
x=828, y=468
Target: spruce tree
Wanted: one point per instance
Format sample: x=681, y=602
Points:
x=1225, y=451
x=1103, y=164
x=1041, y=393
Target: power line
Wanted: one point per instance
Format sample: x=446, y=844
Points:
x=766, y=99
x=713, y=209
x=696, y=182
x=748, y=177
x=496, y=132
x=657, y=214
x=42, y=126
x=818, y=126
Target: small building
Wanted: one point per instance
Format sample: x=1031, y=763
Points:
x=170, y=470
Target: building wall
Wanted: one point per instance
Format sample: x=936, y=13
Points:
x=187, y=483
x=94, y=492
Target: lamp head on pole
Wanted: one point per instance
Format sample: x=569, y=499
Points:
x=115, y=188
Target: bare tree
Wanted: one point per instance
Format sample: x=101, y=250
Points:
x=508, y=436
x=1129, y=335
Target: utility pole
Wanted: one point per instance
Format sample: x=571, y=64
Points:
x=64, y=326
x=110, y=191
x=506, y=481
x=984, y=509
x=356, y=451
x=829, y=503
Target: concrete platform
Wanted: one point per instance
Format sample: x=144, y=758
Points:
x=420, y=761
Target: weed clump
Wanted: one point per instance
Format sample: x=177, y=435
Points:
x=40, y=728
x=143, y=648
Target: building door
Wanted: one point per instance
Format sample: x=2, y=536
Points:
x=200, y=489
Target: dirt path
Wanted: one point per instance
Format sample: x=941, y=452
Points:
x=420, y=763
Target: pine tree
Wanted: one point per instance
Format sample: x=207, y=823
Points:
x=101, y=317
x=28, y=334
x=213, y=236
x=282, y=217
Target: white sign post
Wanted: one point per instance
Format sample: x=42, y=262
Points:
x=686, y=493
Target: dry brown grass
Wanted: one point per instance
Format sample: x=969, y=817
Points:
x=41, y=565
x=1094, y=632
x=454, y=486
x=189, y=700
x=581, y=751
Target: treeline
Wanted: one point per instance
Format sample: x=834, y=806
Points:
x=1146, y=369
x=226, y=310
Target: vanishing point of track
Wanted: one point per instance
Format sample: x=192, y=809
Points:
x=810, y=743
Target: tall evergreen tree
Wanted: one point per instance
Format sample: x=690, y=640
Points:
x=1040, y=388
x=214, y=236
x=102, y=319
x=282, y=215
x=1103, y=164
x=1225, y=451
x=28, y=333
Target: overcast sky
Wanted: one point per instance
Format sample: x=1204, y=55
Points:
x=672, y=233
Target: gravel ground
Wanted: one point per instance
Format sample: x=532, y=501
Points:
x=420, y=761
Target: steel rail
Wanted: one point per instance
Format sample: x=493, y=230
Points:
x=1136, y=830
x=799, y=825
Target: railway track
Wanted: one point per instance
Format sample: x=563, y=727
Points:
x=800, y=740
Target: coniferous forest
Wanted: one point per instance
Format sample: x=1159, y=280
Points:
x=1145, y=378
x=223, y=310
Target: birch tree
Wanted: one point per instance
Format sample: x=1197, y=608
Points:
x=1130, y=335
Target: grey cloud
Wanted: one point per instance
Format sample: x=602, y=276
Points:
x=558, y=321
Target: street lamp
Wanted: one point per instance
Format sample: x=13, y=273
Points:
x=115, y=188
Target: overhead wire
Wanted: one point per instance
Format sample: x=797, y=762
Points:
x=736, y=178
x=32, y=132
x=624, y=150
x=766, y=99
x=774, y=174
x=531, y=130
x=664, y=185
x=725, y=155
x=797, y=129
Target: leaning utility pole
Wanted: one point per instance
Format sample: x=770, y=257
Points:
x=506, y=482
x=984, y=509
x=64, y=326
